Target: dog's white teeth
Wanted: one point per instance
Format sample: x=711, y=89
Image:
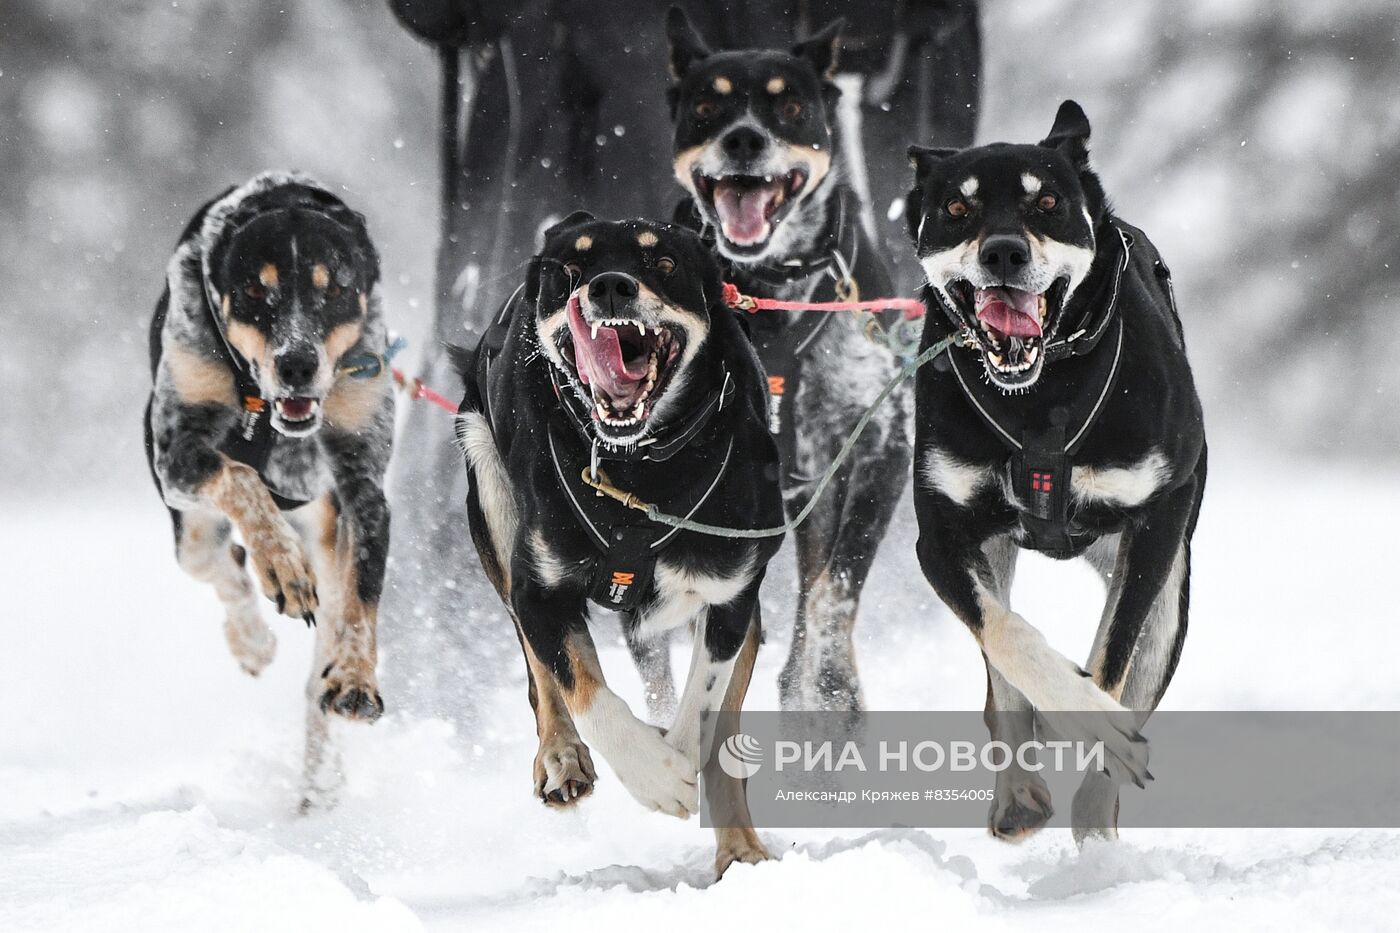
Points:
x=768, y=179
x=602, y=410
x=637, y=409
x=594, y=328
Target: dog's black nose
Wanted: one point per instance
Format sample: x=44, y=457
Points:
x=612, y=290
x=1005, y=254
x=296, y=368
x=743, y=142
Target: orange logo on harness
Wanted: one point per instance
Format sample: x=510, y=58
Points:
x=622, y=579
x=776, y=384
x=253, y=403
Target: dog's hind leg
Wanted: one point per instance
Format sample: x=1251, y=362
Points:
x=1022, y=802
x=735, y=839
x=726, y=642
x=812, y=540
x=653, y=659
x=206, y=551
x=820, y=671
x=1139, y=641
x=836, y=551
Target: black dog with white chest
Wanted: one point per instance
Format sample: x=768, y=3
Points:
x=617, y=366
x=1068, y=423
x=759, y=148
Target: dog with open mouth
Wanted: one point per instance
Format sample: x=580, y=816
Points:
x=1068, y=423
x=618, y=366
x=759, y=149
x=255, y=423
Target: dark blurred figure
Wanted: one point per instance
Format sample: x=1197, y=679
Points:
x=568, y=110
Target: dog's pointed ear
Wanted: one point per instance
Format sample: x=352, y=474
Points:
x=366, y=256
x=573, y=220
x=1070, y=134
x=823, y=50
x=687, y=47
x=923, y=159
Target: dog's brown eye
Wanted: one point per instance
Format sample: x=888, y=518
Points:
x=1047, y=202
x=706, y=109
x=255, y=291
x=666, y=264
x=333, y=291
x=792, y=110
x=956, y=208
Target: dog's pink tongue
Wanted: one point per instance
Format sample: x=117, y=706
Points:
x=743, y=211
x=1009, y=310
x=599, y=360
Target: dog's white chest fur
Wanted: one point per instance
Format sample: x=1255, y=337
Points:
x=683, y=593
x=1124, y=487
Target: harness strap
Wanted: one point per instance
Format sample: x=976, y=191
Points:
x=1093, y=327
x=628, y=543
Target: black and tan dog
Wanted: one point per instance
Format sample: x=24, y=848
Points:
x=255, y=425
x=619, y=354
x=758, y=149
x=1071, y=426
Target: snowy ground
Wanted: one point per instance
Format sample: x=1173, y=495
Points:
x=149, y=785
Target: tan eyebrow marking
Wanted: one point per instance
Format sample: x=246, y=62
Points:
x=723, y=85
x=776, y=85
x=646, y=238
x=320, y=276
x=268, y=275
x=583, y=243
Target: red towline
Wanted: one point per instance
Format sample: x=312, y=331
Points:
x=416, y=390
x=911, y=307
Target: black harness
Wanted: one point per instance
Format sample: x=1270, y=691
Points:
x=1043, y=446
x=628, y=543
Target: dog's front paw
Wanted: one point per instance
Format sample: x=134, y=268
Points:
x=659, y=776
x=285, y=574
x=1095, y=717
x=737, y=844
x=351, y=697
x=564, y=772
x=1020, y=809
